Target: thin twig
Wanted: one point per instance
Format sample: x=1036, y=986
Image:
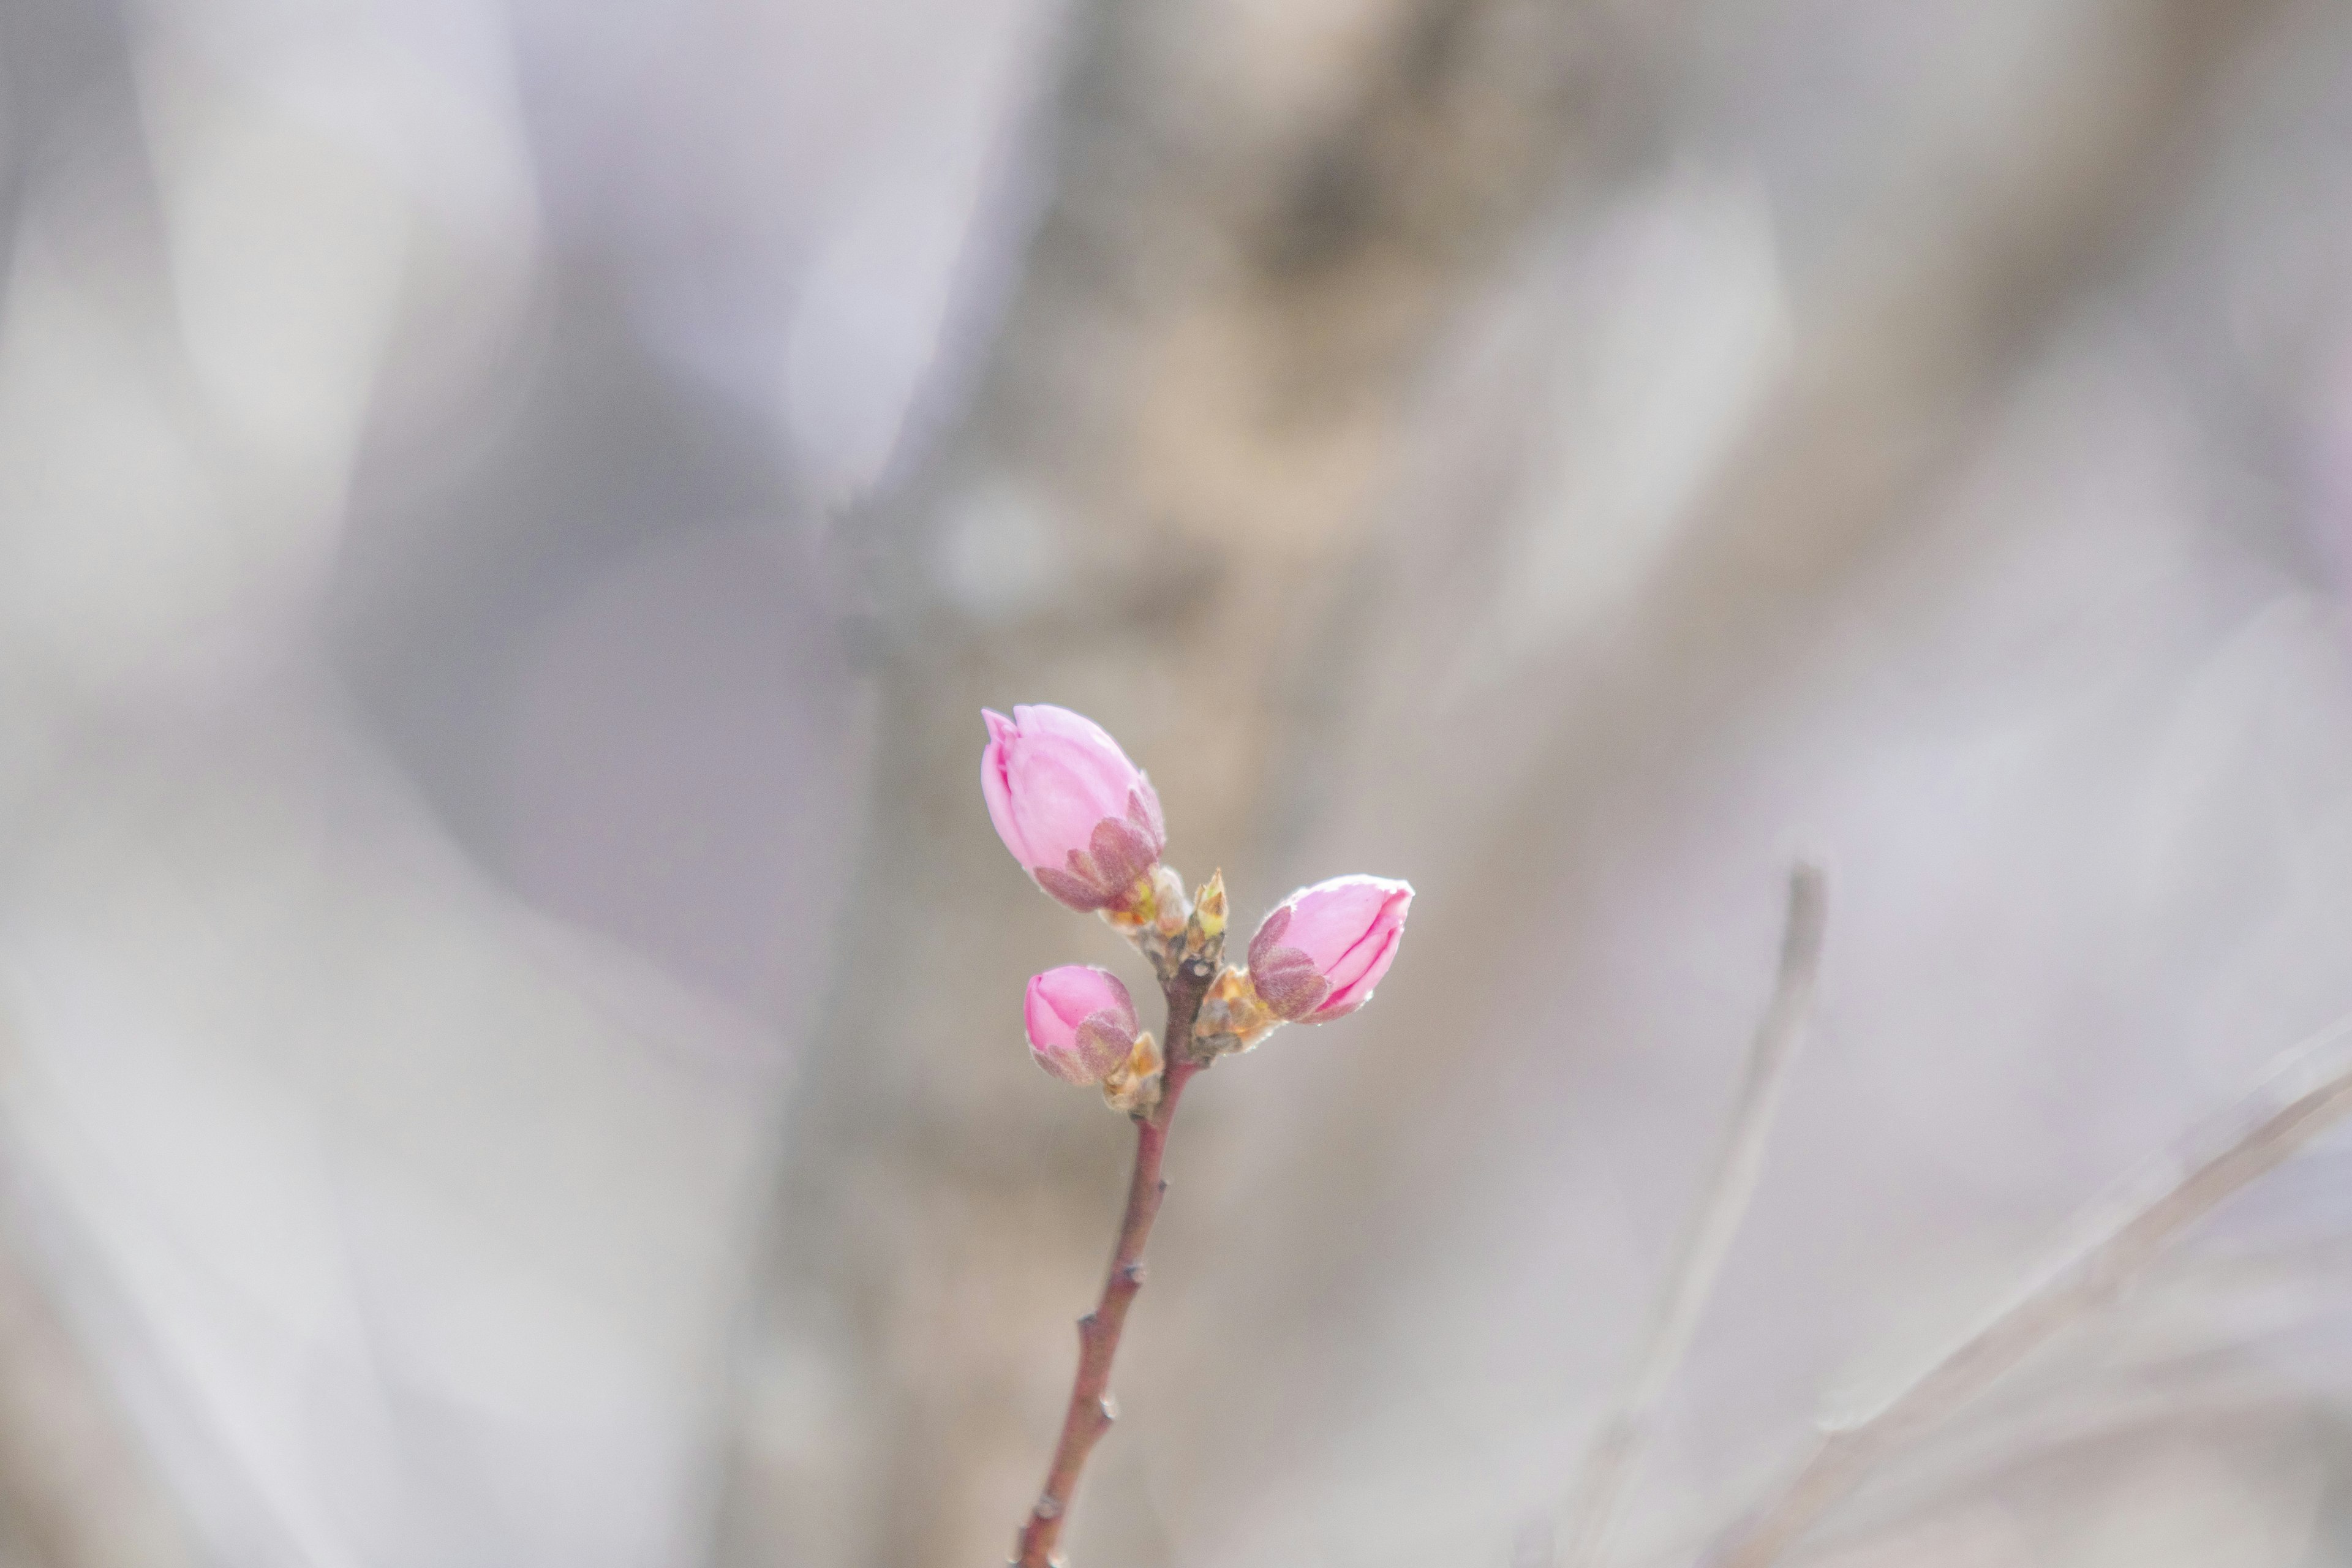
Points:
x=1722, y=1204
x=1091, y=1411
x=2307, y=1095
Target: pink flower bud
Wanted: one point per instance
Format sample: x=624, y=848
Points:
x=1077, y=815
x=1081, y=1023
x=1320, y=952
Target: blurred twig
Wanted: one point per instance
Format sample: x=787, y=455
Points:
x=2311, y=1093
x=1723, y=1204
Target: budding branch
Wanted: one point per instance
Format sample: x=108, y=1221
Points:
x=1090, y=1411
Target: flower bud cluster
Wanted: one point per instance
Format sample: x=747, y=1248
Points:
x=1085, y=822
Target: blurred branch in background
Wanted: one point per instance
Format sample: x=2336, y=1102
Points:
x=2311, y=1093
x=1184, y=431
x=1895, y=383
x=1888, y=396
x=1181, y=432
x=1698, y=1259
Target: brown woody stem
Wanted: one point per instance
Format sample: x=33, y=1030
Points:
x=1090, y=1411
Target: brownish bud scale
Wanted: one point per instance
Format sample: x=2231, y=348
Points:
x=1170, y=912
x=1133, y=1087
x=1232, y=1017
x=1152, y=907
x=1208, y=922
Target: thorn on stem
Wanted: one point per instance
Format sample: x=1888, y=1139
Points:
x=1109, y=1409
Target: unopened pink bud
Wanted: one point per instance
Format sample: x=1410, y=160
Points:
x=1077, y=816
x=1081, y=1022
x=1317, y=957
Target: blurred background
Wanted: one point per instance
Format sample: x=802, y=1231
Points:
x=509, y=999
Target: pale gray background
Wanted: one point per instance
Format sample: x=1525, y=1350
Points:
x=509, y=511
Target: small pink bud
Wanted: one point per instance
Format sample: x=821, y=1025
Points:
x=1077, y=816
x=1081, y=1021
x=1317, y=957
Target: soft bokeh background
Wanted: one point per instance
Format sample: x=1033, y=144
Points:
x=508, y=1044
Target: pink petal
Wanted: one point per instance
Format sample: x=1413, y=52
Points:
x=1377, y=941
x=1347, y=998
x=1086, y=749
x=1331, y=918
x=1058, y=795
x=996, y=789
x=1040, y=720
